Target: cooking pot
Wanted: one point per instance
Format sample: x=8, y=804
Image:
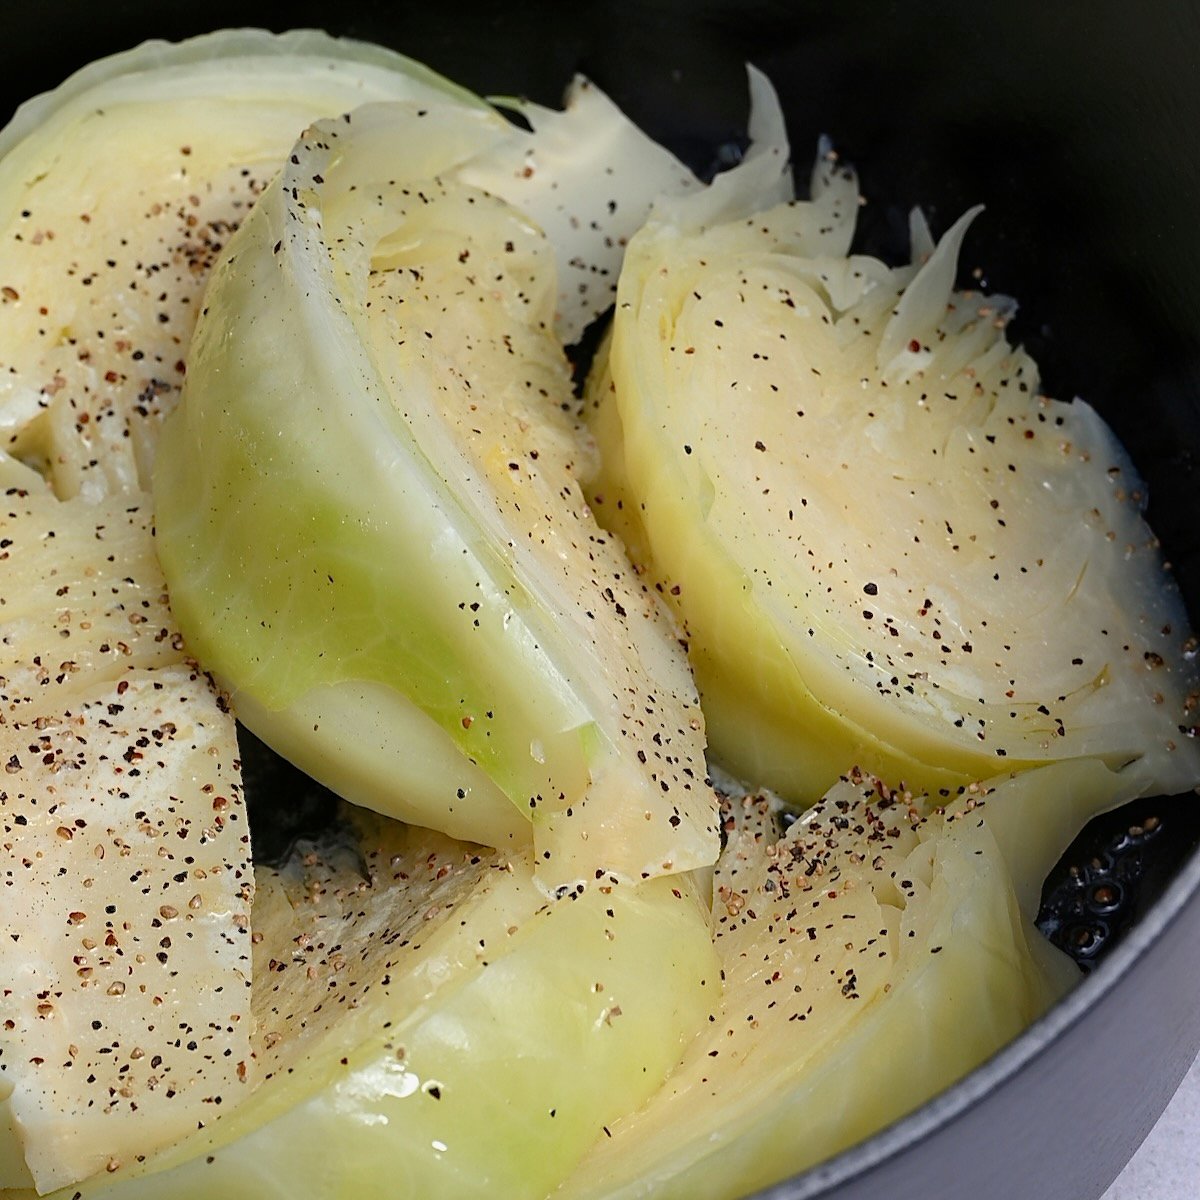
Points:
x=1076, y=126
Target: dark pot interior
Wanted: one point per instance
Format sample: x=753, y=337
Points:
x=1076, y=126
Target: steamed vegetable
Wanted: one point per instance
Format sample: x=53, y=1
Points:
x=871, y=956
x=118, y=190
x=124, y=854
x=402, y=982
x=368, y=507
x=126, y=1003
x=428, y=1024
x=885, y=545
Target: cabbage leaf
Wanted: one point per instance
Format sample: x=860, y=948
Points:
x=369, y=508
x=118, y=190
x=427, y=1023
x=885, y=545
x=873, y=955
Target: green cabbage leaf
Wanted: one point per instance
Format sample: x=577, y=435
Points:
x=369, y=509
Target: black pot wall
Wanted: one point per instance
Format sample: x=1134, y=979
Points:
x=1077, y=126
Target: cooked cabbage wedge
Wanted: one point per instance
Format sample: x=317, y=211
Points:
x=124, y=854
x=117, y=192
x=368, y=507
x=428, y=1024
x=885, y=545
x=126, y=956
x=871, y=956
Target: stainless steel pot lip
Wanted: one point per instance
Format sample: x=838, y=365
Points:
x=1003, y=1067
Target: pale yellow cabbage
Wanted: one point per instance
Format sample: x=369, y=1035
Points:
x=886, y=546
x=871, y=956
